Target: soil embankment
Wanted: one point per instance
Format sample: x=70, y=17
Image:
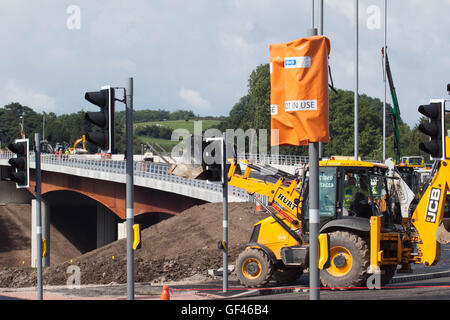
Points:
x=173, y=249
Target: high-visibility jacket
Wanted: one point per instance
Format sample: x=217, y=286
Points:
x=349, y=195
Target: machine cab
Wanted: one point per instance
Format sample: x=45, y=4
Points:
x=350, y=191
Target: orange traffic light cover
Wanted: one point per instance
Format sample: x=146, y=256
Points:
x=299, y=91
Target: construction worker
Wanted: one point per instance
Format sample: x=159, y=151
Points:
x=356, y=198
x=350, y=190
x=361, y=204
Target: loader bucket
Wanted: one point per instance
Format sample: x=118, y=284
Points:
x=186, y=170
x=442, y=232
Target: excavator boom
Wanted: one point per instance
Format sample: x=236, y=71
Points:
x=428, y=215
x=395, y=109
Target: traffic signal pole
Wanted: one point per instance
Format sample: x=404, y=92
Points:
x=315, y=153
x=356, y=142
x=223, y=245
x=37, y=143
x=129, y=187
x=314, y=220
x=225, y=212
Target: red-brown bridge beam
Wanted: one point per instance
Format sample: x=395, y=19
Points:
x=112, y=194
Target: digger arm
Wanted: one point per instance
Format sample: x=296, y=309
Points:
x=78, y=141
x=254, y=185
x=283, y=200
x=428, y=216
x=251, y=185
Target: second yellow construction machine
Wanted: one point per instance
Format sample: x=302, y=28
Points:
x=75, y=149
x=361, y=234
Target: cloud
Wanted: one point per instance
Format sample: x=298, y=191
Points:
x=28, y=97
x=193, y=99
x=215, y=55
x=344, y=8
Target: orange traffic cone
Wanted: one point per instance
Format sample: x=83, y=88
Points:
x=259, y=207
x=165, y=295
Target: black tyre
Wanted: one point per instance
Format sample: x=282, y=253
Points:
x=349, y=260
x=254, y=268
x=285, y=275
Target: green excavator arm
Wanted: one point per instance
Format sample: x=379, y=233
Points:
x=395, y=110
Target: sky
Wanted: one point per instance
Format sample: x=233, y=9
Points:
x=198, y=54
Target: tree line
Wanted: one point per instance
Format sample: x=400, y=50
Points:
x=67, y=128
x=251, y=111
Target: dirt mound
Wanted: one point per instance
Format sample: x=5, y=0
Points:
x=15, y=238
x=173, y=249
x=15, y=234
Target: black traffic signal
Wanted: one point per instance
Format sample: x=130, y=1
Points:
x=21, y=174
x=434, y=128
x=105, y=99
x=212, y=159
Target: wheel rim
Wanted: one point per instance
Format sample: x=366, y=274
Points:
x=341, y=261
x=251, y=268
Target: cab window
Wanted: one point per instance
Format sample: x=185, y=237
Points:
x=327, y=195
x=327, y=191
x=356, y=194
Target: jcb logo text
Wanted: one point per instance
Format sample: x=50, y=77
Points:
x=433, y=205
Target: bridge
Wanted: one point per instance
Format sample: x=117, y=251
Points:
x=92, y=190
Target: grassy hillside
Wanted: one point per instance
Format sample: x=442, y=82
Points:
x=181, y=124
x=173, y=124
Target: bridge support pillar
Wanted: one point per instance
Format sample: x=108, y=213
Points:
x=10, y=194
x=45, y=223
x=121, y=230
x=106, y=226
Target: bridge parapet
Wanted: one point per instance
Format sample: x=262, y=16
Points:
x=150, y=175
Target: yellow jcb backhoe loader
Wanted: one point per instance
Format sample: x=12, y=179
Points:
x=361, y=234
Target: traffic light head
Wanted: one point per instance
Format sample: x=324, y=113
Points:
x=433, y=128
x=212, y=159
x=20, y=164
x=104, y=119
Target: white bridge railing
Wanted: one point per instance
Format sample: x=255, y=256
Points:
x=278, y=159
x=142, y=169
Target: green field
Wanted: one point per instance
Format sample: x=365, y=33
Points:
x=175, y=124
x=182, y=124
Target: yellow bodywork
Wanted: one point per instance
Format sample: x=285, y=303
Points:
x=429, y=213
x=136, y=236
x=376, y=255
x=386, y=247
x=447, y=147
x=81, y=140
x=281, y=196
x=274, y=236
x=44, y=248
x=323, y=250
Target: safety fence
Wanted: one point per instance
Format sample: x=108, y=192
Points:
x=142, y=169
x=278, y=159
